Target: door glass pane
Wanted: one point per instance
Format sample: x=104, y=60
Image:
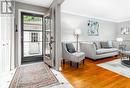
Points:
x=32, y=37
x=47, y=58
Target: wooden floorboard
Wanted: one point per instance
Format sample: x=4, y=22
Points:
x=90, y=75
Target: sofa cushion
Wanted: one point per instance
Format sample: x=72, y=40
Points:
x=105, y=51
x=70, y=48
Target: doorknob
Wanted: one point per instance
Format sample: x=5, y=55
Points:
x=3, y=44
x=52, y=42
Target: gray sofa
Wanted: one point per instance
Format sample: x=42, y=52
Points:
x=96, y=52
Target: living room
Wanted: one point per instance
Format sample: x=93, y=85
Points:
x=64, y=43
x=85, y=29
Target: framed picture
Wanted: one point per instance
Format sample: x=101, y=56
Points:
x=124, y=30
x=93, y=27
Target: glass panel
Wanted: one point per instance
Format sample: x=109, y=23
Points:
x=32, y=33
x=32, y=23
x=47, y=58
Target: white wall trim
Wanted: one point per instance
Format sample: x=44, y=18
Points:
x=19, y=31
x=12, y=51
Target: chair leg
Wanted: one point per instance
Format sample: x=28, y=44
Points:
x=83, y=61
x=77, y=65
x=70, y=63
x=63, y=61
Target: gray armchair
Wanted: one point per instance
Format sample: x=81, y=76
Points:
x=72, y=55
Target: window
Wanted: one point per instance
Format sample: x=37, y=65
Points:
x=34, y=37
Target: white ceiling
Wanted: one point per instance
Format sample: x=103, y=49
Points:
x=110, y=10
x=43, y=3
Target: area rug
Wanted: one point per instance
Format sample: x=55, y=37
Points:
x=36, y=75
x=117, y=67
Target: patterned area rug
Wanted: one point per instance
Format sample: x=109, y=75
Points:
x=34, y=75
x=117, y=67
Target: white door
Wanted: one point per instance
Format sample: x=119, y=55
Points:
x=5, y=43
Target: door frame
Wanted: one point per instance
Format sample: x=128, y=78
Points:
x=22, y=34
x=19, y=32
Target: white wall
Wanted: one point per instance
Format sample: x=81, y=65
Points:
x=69, y=22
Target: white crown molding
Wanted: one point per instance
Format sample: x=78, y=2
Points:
x=91, y=17
x=123, y=20
x=36, y=4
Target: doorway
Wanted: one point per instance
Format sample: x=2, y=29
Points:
x=31, y=37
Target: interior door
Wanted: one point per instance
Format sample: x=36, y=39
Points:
x=49, y=39
x=32, y=37
x=5, y=38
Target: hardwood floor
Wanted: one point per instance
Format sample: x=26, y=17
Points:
x=91, y=76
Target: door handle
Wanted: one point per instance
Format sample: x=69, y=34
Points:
x=52, y=42
x=3, y=44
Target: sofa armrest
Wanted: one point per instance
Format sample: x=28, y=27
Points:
x=89, y=49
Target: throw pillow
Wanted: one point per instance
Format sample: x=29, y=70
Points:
x=104, y=45
x=110, y=44
x=70, y=48
x=95, y=45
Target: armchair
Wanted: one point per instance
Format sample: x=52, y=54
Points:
x=76, y=57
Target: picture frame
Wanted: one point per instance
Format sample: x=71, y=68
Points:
x=125, y=30
x=93, y=28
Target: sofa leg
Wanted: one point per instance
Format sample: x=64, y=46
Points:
x=77, y=65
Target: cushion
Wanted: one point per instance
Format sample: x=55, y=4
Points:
x=104, y=45
x=97, y=45
x=79, y=54
x=105, y=51
x=110, y=43
x=70, y=48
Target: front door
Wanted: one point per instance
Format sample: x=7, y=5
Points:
x=50, y=39
x=32, y=37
